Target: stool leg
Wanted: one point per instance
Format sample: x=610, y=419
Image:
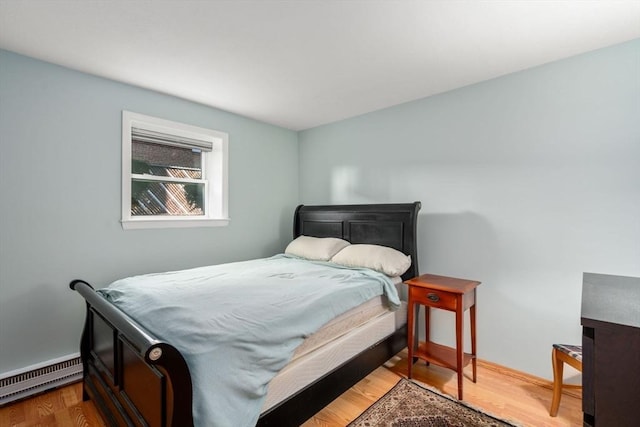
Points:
x=557, y=382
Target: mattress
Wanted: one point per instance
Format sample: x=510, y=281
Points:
x=322, y=357
x=342, y=324
x=346, y=322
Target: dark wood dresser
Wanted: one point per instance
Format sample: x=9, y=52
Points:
x=611, y=350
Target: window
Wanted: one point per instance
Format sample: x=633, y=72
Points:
x=173, y=175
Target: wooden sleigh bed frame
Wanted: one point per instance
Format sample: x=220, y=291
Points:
x=135, y=379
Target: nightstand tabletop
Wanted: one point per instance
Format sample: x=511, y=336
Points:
x=443, y=283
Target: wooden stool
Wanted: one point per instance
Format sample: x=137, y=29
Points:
x=563, y=353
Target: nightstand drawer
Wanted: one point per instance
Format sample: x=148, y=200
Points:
x=433, y=298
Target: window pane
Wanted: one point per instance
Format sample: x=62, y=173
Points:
x=163, y=160
x=166, y=198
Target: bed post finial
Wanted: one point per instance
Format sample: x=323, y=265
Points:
x=155, y=353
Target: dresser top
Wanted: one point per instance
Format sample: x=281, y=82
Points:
x=613, y=299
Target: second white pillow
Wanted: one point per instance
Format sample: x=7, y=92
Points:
x=380, y=258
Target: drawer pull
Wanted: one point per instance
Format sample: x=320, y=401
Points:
x=433, y=297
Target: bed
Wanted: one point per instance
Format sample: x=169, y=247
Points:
x=135, y=378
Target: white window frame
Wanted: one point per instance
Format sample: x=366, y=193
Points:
x=214, y=169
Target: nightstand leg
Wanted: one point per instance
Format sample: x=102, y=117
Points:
x=427, y=327
x=459, y=343
x=410, y=335
x=472, y=315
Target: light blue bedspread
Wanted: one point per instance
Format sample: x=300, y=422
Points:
x=238, y=324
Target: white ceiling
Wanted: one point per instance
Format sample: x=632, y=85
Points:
x=300, y=64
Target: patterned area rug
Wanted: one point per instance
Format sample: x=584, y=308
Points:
x=409, y=405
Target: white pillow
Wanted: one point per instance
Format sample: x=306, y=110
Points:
x=315, y=248
x=380, y=258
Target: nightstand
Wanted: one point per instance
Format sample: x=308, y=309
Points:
x=445, y=293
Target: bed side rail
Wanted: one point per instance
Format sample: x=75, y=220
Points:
x=134, y=378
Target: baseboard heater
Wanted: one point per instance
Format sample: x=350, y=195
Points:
x=38, y=378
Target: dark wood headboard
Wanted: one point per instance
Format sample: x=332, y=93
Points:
x=392, y=225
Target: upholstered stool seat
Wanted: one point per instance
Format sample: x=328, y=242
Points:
x=563, y=353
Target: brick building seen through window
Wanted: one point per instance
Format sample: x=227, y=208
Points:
x=166, y=197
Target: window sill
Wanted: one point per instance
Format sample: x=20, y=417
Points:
x=176, y=222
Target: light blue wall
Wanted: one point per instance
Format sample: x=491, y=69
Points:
x=60, y=155
x=526, y=182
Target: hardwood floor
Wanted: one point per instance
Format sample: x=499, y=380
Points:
x=500, y=391
x=57, y=408
x=508, y=394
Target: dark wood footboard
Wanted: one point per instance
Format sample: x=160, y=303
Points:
x=133, y=378
x=137, y=380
